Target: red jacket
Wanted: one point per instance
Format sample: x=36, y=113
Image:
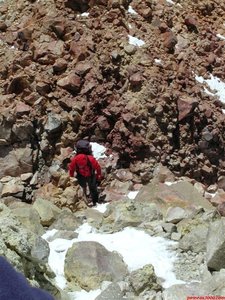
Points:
x=80, y=164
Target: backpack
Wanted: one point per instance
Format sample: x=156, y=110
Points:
x=83, y=146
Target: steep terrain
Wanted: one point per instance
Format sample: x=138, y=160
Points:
x=69, y=70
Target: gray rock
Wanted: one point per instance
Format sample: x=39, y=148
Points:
x=215, y=247
x=112, y=292
x=195, y=240
x=40, y=250
x=88, y=264
x=66, y=220
x=121, y=214
x=176, y=214
x=53, y=124
x=181, y=291
x=28, y=216
x=144, y=279
x=47, y=211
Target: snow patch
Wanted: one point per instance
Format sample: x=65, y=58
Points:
x=215, y=84
x=158, y=61
x=132, y=194
x=170, y=1
x=135, y=41
x=145, y=250
x=220, y=36
x=98, y=150
x=101, y=207
x=131, y=10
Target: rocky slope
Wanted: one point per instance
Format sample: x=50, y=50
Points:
x=69, y=71
x=177, y=212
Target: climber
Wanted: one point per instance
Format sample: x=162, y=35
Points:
x=86, y=169
x=14, y=286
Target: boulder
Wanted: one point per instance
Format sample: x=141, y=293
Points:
x=17, y=162
x=176, y=214
x=215, y=246
x=65, y=220
x=112, y=292
x=47, y=211
x=28, y=216
x=180, y=194
x=195, y=240
x=88, y=264
x=121, y=214
x=144, y=279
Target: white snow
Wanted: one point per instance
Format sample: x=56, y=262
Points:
x=101, y=207
x=158, y=61
x=215, y=84
x=136, y=247
x=85, y=14
x=131, y=10
x=132, y=194
x=98, y=150
x=135, y=41
x=220, y=36
x=170, y=1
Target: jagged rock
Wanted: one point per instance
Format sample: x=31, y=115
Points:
x=47, y=211
x=23, y=131
x=195, y=240
x=182, y=194
x=66, y=220
x=176, y=214
x=13, y=187
x=89, y=271
x=71, y=83
x=216, y=245
x=129, y=213
x=112, y=292
x=181, y=291
x=169, y=40
x=185, y=106
x=28, y=216
x=144, y=279
x=60, y=65
x=19, y=245
x=53, y=124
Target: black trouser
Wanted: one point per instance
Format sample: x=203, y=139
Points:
x=92, y=184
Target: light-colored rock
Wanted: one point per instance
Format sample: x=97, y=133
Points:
x=144, y=279
x=66, y=220
x=195, y=240
x=47, y=211
x=215, y=247
x=176, y=214
x=88, y=264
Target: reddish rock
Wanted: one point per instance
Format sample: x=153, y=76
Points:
x=103, y=123
x=17, y=85
x=43, y=88
x=60, y=65
x=169, y=40
x=71, y=83
x=191, y=22
x=78, y=50
x=136, y=79
x=185, y=106
x=82, y=68
x=22, y=108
